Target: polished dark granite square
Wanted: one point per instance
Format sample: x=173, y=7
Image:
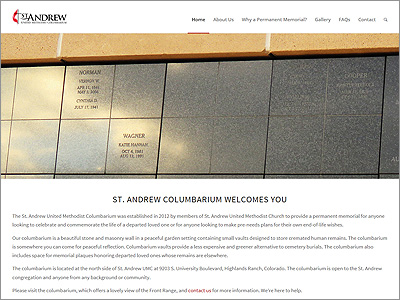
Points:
x=133, y=146
x=389, y=162
x=82, y=146
x=38, y=92
x=7, y=92
x=351, y=145
x=294, y=145
x=138, y=91
x=33, y=146
x=186, y=145
x=355, y=86
x=88, y=92
x=299, y=87
x=243, y=88
x=239, y=145
x=190, y=89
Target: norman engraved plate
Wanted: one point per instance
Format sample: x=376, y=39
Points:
x=82, y=146
x=33, y=146
x=38, y=93
x=190, y=89
x=351, y=145
x=133, y=146
x=138, y=91
x=294, y=145
x=5, y=135
x=88, y=92
x=355, y=86
x=7, y=92
x=239, y=145
x=186, y=145
x=389, y=162
x=243, y=88
x=299, y=87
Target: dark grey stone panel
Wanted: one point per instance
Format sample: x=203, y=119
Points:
x=351, y=145
x=299, y=87
x=87, y=92
x=33, y=146
x=138, y=91
x=82, y=176
x=29, y=176
x=82, y=146
x=243, y=88
x=191, y=89
x=38, y=93
x=389, y=176
x=186, y=145
x=133, y=146
x=7, y=92
x=238, y=176
x=294, y=145
x=355, y=86
x=389, y=162
x=5, y=136
x=360, y=176
x=302, y=176
x=239, y=145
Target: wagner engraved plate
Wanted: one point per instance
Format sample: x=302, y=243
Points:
x=38, y=93
x=133, y=146
x=138, y=91
x=88, y=92
x=33, y=146
x=389, y=162
x=82, y=146
x=7, y=92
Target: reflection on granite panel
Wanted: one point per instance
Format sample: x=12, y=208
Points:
x=191, y=89
x=29, y=176
x=7, y=92
x=88, y=92
x=138, y=91
x=389, y=162
x=243, y=88
x=294, y=145
x=80, y=176
x=82, y=146
x=389, y=176
x=38, y=93
x=3, y=176
x=5, y=135
x=355, y=85
x=33, y=146
x=133, y=146
x=209, y=176
x=239, y=145
x=299, y=87
x=302, y=176
x=186, y=145
x=351, y=145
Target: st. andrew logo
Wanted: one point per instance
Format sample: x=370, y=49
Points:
x=29, y=18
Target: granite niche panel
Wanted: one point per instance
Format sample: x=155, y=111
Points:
x=7, y=92
x=389, y=162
